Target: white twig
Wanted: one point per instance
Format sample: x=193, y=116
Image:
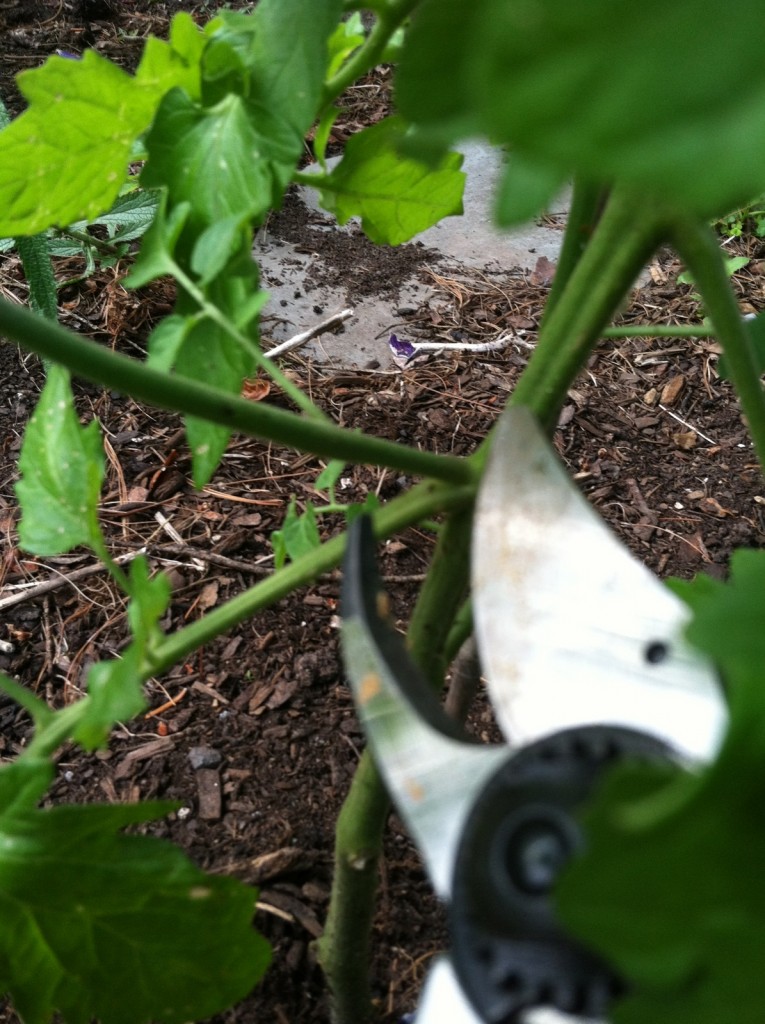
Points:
x=28, y=591
x=173, y=534
x=300, y=339
x=685, y=423
x=468, y=346
x=462, y=346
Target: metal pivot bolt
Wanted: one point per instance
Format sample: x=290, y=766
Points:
x=509, y=951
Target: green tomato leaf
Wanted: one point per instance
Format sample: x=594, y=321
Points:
x=149, y=598
x=263, y=78
x=208, y=159
x=118, y=928
x=432, y=76
x=728, y=618
x=365, y=507
x=287, y=60
x=329, y=475
x=395, y=196
x=669, y=888
x=62, y=468
x=280, y=549
x=301, y=533
x=65, y=158
x=298, y=535
x=345, y=40
x=215, y=246
x=211, y=355
x=525, y=188
x=166, y=339
x=173, y=63
x=23, y=783
x=643, y=93
x=115, y=688
x=157, y=255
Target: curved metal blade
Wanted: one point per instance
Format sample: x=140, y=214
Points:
x=443, y=1000
x=571, y=628
x=432, y=771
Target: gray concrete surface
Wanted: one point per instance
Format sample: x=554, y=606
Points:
x=470, y=242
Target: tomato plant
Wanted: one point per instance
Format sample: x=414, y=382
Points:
x=661, y=131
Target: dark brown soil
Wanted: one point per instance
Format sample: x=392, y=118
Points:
x=652, y=434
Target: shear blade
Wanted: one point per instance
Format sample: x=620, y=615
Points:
x=432, y=771
x=571, y=629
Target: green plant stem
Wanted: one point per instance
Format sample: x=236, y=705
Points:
x=698, y=248
x=389, y=17
x=57, y=730
x=626, y=235
x=344, y=948
x=461, y=629
x=586, y=203
x=193, y=398
x=107, y=248
x=660, y=331
x=116, y=572
x=422, y=500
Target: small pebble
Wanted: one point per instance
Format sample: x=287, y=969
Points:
x=204, y=757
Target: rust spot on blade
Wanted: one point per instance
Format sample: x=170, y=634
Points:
x=369, y=687
x=383, y=604
x=414, y=790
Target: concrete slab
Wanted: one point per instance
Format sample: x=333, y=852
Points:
x=299, y=299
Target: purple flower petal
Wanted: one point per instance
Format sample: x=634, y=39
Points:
x=403, y=348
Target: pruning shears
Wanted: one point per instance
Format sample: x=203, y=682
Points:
x=585, y=662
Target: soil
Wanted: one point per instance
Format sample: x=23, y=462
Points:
x=650, y=431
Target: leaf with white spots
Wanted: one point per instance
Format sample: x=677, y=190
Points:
x=118, y=928
x=211, y=159
x=62, y=468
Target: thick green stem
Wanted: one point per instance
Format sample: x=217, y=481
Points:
x=698, y=248
x=179, y=394
x=660, y=331
x=461, y=629
x=344, y=948
x=422, y=500
x=586, y=203
x=625, y=236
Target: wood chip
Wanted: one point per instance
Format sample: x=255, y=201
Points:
x=713, y=505
x=209, y=793
x=686, y=440
x=279, y=862
x=290, y=905
x=671, y=390
x=160, y=746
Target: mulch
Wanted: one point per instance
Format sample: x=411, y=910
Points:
x=255, y=734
